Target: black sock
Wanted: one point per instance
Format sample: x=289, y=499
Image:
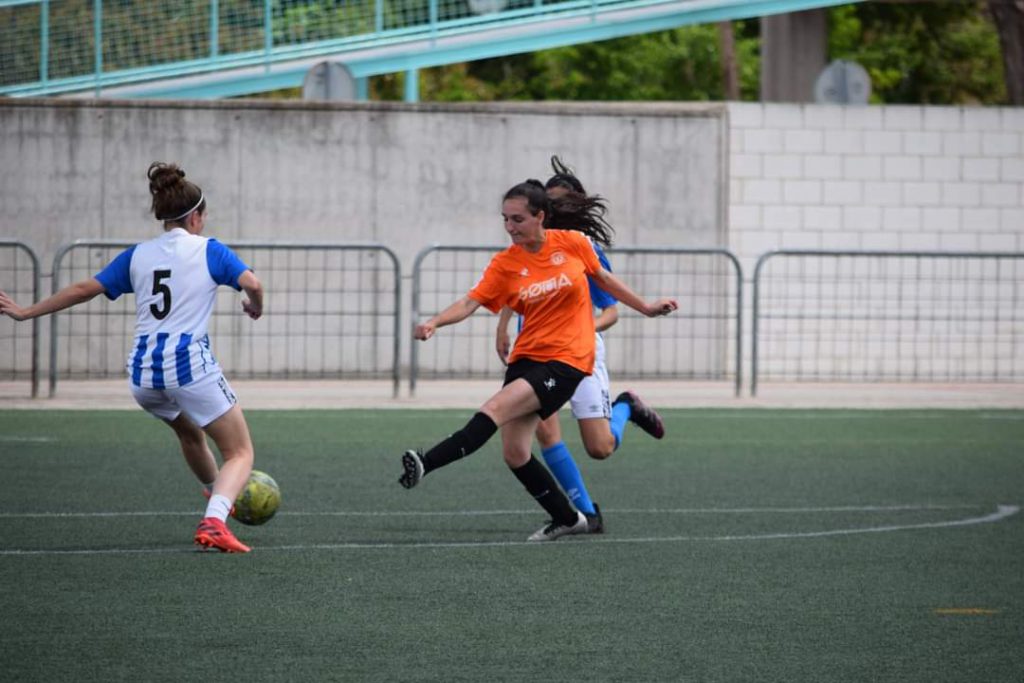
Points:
x=460, y=444
x=541, y=485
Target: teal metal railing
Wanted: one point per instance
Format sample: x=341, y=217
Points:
x=50, y=47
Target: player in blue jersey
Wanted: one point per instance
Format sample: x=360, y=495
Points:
x=601, y=423
x=173, y=374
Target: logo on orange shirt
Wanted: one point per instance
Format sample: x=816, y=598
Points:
x=539, y=290
x=557, y=258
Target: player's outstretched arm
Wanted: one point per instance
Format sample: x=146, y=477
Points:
x=250, y=284
x=457, y=312
x=621, y=291
x=72, y=295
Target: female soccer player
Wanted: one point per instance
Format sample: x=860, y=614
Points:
x=542, y=276
x=173, y=374
x=601, y=424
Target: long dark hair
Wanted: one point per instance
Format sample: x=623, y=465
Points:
x=563, y=177
x=572, y=211
x=174, y=198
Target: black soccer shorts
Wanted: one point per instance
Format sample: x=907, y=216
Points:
x=553, y=382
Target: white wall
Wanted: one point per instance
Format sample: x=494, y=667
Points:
x=882, y=178
x=402, y=175
x=874, y=177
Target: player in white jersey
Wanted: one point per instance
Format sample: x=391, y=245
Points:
x=172, y=373
x=601, y=423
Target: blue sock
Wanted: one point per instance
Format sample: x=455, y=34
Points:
x=620, y=415
x=564, y=468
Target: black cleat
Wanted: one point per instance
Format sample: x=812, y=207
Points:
x=412, y=463
x=643, y=416
x=595, y=522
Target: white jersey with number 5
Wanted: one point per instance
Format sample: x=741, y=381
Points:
x=174, y=278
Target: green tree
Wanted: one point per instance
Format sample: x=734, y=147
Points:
x=919, y=52
x=922, y=53
x=681, y=64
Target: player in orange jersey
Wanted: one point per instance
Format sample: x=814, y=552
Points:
x=543, y=277
x=601, y=422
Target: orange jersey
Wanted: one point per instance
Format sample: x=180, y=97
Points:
x=549, y=289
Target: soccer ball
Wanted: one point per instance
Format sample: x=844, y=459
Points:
x=258, y=501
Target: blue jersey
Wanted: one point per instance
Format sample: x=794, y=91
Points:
x=174, y=278
x=600, y=298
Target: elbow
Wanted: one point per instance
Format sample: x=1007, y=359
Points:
x=87, y=290
x=250, y=283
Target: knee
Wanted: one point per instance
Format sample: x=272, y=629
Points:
x=546, y=441
x=491, y=409
x=601, y=448
x=516, y=458
x=243, y=455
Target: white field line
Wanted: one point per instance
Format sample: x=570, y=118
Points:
x=1002, y=512
x=491, y=513
x=26, y=439
x=866, y=413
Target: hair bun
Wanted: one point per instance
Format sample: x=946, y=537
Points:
x=535, y=183
x=164, y=176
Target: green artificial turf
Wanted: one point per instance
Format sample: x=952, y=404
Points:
x=748, y=545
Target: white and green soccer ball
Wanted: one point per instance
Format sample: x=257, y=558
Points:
x=258, y=501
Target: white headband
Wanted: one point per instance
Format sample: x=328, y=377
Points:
x=178, y=218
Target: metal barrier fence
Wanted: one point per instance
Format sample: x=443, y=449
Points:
x=888, y=316
x=19, y=342
x=701, y=341
x=332, y=311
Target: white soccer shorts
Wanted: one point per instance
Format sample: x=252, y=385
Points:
x=203, y=401
x=592, y=398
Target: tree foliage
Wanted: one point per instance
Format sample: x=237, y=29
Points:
x=922, y=53
x=943, y=52
x=681, y=64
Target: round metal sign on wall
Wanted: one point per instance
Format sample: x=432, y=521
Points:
x=331, y=81
x=843, y=82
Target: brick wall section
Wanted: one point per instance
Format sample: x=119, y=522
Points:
x=874, y=177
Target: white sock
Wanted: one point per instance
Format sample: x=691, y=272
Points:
x=219, y=507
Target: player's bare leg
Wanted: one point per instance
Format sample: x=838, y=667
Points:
x=231, y=434
x=597, y=437
x=198, y=456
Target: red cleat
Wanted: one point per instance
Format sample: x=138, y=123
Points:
x=214, y=534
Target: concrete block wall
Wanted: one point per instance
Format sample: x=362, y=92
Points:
x=903, y=178
x=807, y=176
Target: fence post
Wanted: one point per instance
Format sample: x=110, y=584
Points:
x=97, y=30
x=214, y=28
x=755, y=319
x=36, y=286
